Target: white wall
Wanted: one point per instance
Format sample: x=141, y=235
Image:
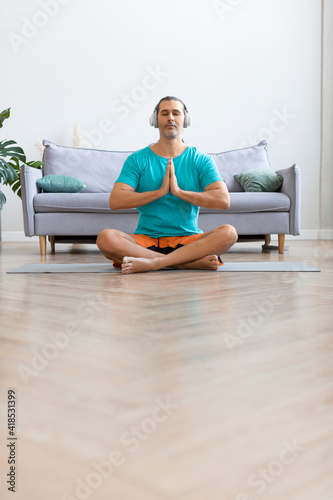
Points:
x=246, y=70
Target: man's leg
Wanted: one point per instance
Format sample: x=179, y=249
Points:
x=212, y=243
x=115, y=245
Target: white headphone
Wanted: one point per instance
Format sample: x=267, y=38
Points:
x=187, y=117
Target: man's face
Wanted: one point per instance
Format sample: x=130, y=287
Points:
x=170, y=119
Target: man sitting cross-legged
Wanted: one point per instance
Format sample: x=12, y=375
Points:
x=168, y=183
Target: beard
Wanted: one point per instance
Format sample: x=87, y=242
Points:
x=170, y=133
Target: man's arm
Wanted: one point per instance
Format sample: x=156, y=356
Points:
x=124, y=196
x=215, y=195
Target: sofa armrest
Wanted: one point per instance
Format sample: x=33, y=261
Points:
x=292, y=187
x=29, y=189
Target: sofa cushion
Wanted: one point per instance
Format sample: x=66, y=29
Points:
x=255, y=202
x=71, y=202
x=99, y=203
x=98, y=169
x=60, y=184
x=260, y=179
x=236, y=161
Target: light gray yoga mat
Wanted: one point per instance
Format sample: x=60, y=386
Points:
x=108, y=268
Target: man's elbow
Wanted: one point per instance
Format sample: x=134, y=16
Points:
x=224, y=202
x=222, y=199
x=221, y=204
x=113, y=204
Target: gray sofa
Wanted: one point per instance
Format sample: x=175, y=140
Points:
x=79, y=217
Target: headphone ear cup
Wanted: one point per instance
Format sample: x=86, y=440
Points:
x=153, y=119
x=187, y=119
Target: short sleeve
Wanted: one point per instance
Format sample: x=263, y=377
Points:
x=209, y=172
x=130, y=173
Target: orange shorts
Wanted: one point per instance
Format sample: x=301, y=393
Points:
x=164, y=244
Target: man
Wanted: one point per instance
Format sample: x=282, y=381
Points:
x=168, y=183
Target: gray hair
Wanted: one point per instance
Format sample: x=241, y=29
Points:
x=169, y=98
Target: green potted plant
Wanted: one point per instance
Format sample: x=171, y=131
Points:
x=11, y=159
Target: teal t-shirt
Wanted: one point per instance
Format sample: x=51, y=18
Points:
x=144, y=170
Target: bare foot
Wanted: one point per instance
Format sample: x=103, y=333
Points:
x=139, y=265
x=209, y=262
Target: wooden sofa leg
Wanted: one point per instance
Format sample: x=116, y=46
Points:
x=267, y=239
x=52, y=241
x=42, y=245
x=281, y=243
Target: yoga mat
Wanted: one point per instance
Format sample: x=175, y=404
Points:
x=108, y=268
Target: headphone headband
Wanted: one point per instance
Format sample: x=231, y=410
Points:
x=153, y=117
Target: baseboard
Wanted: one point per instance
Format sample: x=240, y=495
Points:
x=325, y=234
x=306, y=234
x=309, y=234
x=17, y=236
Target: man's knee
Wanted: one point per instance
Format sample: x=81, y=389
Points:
x=232, y=233
x=228, y=233
x=106, y=239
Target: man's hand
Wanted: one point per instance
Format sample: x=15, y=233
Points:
x=174, y=188
x=170, y=180
x=165, y=188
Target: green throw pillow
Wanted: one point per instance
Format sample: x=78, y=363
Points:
x=60, y=184
x=260, y=179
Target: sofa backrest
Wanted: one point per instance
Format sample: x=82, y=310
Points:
x=96, y=168
x=236, y=161
x=99, y=169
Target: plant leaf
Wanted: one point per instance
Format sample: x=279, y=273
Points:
x=7, y=143
x=10, y=170
x=13, y=178
x=34, y=164
x=7, y=172
x=7, y=149
x=3, y=115
x=16, y=187
x=2, y=200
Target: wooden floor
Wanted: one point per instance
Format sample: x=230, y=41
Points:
x=177, y=385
